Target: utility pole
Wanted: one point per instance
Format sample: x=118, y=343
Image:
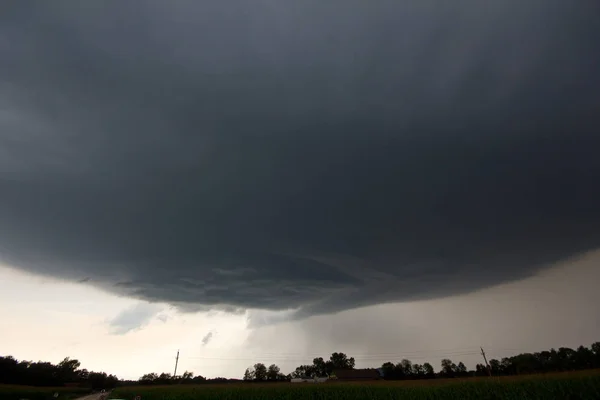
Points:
x=176, y=361
x=489, y=370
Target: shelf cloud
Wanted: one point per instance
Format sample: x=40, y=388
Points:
x=301, y=156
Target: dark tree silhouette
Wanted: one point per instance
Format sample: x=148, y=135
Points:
x=260, y=372
x=461, y=369
x=42, y=373
x=418, y=371
x=273, y=372
x=448, y=368
x=249, y=374
x=429, y=371
x=341, y=361
x=322, y=367
x=406, y=366
x=304, y=371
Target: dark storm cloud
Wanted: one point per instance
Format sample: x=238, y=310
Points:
x=282, y=154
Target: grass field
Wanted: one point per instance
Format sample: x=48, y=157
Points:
x=565, y=386
x=17, y=392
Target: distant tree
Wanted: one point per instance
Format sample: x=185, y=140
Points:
x=566, y=358
x=47, y=374
x=418, y=371
x=148, y=379
x=428, y=369
x=187, y=376
x=455, y=369
x=111, y=381
x=584, y=358
x=399, y=371
x=164, y=378
x=461, y=369
x=66, y=370
x=101, y=380
x=43, y=374
x=595, y=347
x=82, y=375
x=388, y=370
x=69, y=364
x=273, y=372
x=448, y=368
x=407, y=370
x=528, y=363
x=304, y=370
x=341, y=361
x=406, y=367
x=322, y=367
x=495, y=366
x=480, y=370
x=249, y=374
x=260, y=372
x=504, y=367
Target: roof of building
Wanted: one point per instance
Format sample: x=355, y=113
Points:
x=357, y=373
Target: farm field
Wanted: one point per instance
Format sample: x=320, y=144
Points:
x=581, y=386
x=17, y=392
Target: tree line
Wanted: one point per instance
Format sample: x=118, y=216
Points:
x=320, y=367
x=563, y=359
x=40, y=373
x=186, y=378
x=68, y=370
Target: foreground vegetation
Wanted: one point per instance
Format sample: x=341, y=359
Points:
x=581, y=385
x=17, y=392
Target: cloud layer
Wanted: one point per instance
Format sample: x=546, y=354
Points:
x=284, y=155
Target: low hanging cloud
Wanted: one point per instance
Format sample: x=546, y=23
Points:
x=207, y=338
x=133, y=318
x=297, y=155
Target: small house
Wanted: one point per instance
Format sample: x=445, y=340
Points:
x=367, y=374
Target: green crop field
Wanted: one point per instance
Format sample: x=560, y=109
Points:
x=17, y=392
x=580, y=386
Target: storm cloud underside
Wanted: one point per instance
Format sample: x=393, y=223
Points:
x=297, y=155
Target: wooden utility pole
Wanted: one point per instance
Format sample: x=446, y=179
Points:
x=489, y=370
x=176, y=361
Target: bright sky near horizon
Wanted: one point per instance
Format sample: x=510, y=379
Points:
x=46, y=319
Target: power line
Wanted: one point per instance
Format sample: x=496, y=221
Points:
x=313, y=354
x=451, y=350
x=300, y=357
x=448, y=352
x=308, y=358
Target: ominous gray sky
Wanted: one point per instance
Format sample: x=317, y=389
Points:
x=305, y=155
x=554, y=309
